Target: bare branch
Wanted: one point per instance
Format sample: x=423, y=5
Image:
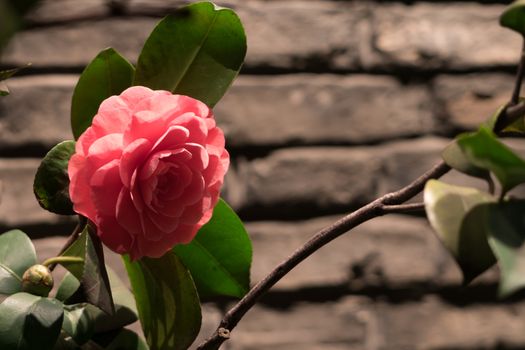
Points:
x=378, y=207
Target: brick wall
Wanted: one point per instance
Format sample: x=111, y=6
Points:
x=338, y=102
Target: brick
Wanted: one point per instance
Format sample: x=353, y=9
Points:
x=466, y=101
x=299, y=180
x=77, y=43
x=357, y=322
x=331, y=326
x=18, y=205
x=66, y=10
x=380, y=253
x=37, y=112
x=441, y=36
x=305, y=180
x=322, y=109
x=431, y=324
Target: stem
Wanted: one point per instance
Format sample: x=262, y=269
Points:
x=383, y=205
x=62, y=259
x=72, y=238
x=519, y=77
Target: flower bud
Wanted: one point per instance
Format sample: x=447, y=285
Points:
x=37, y=280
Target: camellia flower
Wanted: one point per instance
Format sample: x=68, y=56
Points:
x=148, y=171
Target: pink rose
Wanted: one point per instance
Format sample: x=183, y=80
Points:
x=148, y=171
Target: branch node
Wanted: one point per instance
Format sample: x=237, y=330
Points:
x=223, y=333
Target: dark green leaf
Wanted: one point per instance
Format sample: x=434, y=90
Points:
x=125, y=308
x=483, y=150
x=107, y=75
x=447, y=207
x=506, y=229
x=29, y=322
x=92, y=272
x=514, y=17
x=17, y=254
x=51, y=184
x=220, y=256
x=127, y=339
x=78, y=323
x=454, y=156
x=196, y=51
x=167, y=301
x=8, y=73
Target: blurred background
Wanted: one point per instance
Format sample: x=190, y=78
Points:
x=338, y=102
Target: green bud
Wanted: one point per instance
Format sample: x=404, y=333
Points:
x=37, y=280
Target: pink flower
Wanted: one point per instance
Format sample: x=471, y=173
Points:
x=148, y=171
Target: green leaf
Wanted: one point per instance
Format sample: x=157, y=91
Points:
x=127, y=339
x=220, y=256
x=68, y=286
x=447, y=208
x=92, y=272
x=514, y=17
x=78, y=323
x=29, y=322
x=17, y=254
x=196, y=51
x=107, y=75
x=506, y=230
x=483, y=150
x=51, y=185
x=125, y=309
x=454, y=156
x=167, y=301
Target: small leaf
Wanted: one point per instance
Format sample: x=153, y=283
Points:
x=514, y=17
x=107, y=75
x=167, y=301
x=220, y=256
x=447, y=207
x=196, y=51
x=454, y=156
x=92, y=272
x=483, y=150
x=29, y=322
x=78, y=323
x=8, y=73
x=506, y=230
x=51, y=186
x=17, y=254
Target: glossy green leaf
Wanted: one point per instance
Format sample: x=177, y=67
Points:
x=514, y=17
x=29, y=322
x=78, y=323
x=455, y=157
x=220, y=256
x=506, y=229
x=447, y=207
x=167, y=301
x=17, y=254
x=196, y=51
x=483, y=150
x=92, y=272
x=107, y=75
x=51, y=185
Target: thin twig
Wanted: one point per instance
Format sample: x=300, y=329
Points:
x=402, y=208
x=369, y=211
